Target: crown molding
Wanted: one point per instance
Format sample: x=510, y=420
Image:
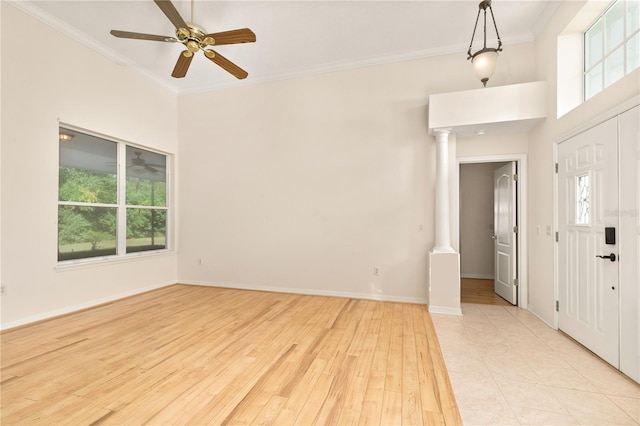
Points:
x=348, y=65
x=549, y=10
x=29, y=8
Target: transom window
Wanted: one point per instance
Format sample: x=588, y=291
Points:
x=611, y=46
x=112, y=197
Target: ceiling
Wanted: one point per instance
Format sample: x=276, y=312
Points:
x=294, y=38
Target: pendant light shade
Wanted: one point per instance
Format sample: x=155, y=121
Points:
x=484, y=64
x=484, y=61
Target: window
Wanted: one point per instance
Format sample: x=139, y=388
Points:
x=582, y=200
x=112, y=197
x=611, y=46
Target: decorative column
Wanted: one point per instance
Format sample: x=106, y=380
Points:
x=444, y=262
x=443, y=229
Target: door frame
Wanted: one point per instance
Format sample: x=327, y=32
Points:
x=521, y=216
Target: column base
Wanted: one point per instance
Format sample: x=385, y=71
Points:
x=444, y=282
x=443, y=249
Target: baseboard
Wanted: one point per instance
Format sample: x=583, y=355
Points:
x=310, y=292
x=79, y=307
x=445, y=310
x=478, y=276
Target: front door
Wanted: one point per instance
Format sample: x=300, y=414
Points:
x=587, y=193
x=505, y=232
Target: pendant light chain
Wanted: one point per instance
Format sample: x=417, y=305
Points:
x=494, y=26
x=475, y=27
x=484, y=45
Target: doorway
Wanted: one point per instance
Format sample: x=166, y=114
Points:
x=492, y=250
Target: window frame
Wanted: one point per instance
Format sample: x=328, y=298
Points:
x=604, y=55
x=121, y=206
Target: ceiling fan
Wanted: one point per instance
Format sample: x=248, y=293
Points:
x=194, y=39
x=138, y=161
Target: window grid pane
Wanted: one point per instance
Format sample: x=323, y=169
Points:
x=582, y=201
x=614, y=24
x=593, y=45
x=146, y=178
x=87, y=169
x=614, y=67
x=146, y=229
x=633, y=52
x=86, y=232
x=593, y=81
x=633, y=17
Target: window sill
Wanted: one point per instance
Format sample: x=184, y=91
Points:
x=70, y=265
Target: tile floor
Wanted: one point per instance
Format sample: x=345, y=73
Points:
x=508, y=367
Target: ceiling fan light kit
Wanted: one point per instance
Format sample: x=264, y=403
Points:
x=484, y=61
x=194, y=38
x=65, y=137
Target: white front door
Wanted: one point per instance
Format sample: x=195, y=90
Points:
x=588, y=302
x=505, y=232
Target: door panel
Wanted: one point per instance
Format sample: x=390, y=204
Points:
x=505, y=238
x=629, y=237
x=587, y=204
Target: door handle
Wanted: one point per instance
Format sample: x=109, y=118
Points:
x=611, y=257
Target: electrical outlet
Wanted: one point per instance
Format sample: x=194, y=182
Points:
x=3, y=289
x=376, y=270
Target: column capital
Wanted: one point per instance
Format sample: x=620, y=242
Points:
x=442, y=131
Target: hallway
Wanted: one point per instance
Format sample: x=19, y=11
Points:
x=480, y=291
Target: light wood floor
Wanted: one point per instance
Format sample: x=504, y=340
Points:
x=481, y=292
x=201, y=355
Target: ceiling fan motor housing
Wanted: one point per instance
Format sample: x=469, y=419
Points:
x=194, y=37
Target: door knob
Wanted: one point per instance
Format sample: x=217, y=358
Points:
x=611, y=257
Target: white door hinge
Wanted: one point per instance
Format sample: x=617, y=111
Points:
x=516, y=282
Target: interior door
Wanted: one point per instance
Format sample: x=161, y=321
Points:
x=588, y=278
x=505, y=232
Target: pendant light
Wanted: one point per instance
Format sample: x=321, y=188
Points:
x=484, y=60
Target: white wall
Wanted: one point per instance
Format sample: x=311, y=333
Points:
x=308, y=184
x=61, y=80
x=476, y=220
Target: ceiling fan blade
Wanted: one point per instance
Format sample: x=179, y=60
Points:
x=244, y=35
x=170, y=11
x=184, y=60
x=226, y=64
x=140, y=36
